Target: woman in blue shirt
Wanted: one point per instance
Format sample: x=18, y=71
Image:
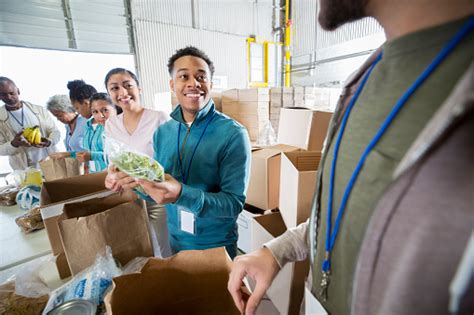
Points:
x=101, y=109
x=61, y=108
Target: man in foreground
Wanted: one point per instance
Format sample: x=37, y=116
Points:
x=399, y=143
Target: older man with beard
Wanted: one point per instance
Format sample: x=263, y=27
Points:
x=393, y=209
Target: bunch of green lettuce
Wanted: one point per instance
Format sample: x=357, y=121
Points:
x=139, y=166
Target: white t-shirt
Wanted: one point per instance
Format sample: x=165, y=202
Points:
x=141, y=140
x=29, y=119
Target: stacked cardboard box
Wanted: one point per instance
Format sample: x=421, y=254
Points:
x=319, y=98
x=250, y=107
x=284, y=97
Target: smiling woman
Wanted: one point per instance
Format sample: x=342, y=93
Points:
x=52, y=70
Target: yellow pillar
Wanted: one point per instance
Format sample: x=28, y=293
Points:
x=287, y=44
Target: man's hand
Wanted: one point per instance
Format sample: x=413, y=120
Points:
x=260, y=266
x=84, y=156
x=164, y=192
x=43, y=144
x=117, y=180
x=20, y=141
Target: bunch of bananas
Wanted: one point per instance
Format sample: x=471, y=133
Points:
x=32, y=134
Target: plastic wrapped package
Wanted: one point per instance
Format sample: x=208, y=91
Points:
x=135, y=164
x=90, y=284
x=12, y=303
x=267, y=135
x=8, y=195
x=30, y=221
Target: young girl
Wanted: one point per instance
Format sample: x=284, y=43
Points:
x=101, y=109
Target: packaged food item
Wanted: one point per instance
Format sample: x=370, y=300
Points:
x=28, y=197
x=90, y=284
x=82, y=307
x=8, y=195
x=30, y=221
x=135, y=164
x=12, y=303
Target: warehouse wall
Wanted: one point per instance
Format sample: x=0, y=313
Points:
x=322, y=58
x=219, y=27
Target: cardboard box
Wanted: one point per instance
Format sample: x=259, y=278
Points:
x=297, y=185
x=55, y=194
x=119, y=221
x=244, y=225
x=287, y=289
x=259, y=109
x=264, y=186
x=254, y=95
x=303, y=128
x=62, y=266
x=231, y=95
x=191, y=282
x=252, y=115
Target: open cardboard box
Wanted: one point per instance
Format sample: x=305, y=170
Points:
x=264, y=184
x=297, y=185
x=191, y=282
x=287, y=289
x=303, y=127
x=55, y=194
x=119, y=221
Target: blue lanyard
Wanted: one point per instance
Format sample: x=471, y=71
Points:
x=331, y=237
x=22, y=117
x=183, y=173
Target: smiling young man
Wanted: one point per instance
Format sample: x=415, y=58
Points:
x=17, y=115
x=206, y=157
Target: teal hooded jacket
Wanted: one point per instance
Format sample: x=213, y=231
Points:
x=214, y=173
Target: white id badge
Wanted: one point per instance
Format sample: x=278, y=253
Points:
x=187, y=221
x=312, y=305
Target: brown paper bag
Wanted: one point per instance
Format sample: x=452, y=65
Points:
x=86, y=228
x=53, y=169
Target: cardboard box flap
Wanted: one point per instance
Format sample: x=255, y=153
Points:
x=273, y=223
x=72, y=187
x=191, y=282
x=273, y=150
x=303, y=127
x=304, y=161
x=95, y=205
x=124, y=228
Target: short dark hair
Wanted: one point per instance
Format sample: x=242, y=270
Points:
x=5, y=79
x=190, y=51
x=105, y=97
x=80, y=90
x=119, y=70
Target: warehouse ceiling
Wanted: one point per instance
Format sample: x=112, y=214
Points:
x=90, y=26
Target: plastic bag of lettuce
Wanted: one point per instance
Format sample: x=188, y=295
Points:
x=136, y=165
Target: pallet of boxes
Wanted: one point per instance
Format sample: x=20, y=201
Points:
x=283, y=177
